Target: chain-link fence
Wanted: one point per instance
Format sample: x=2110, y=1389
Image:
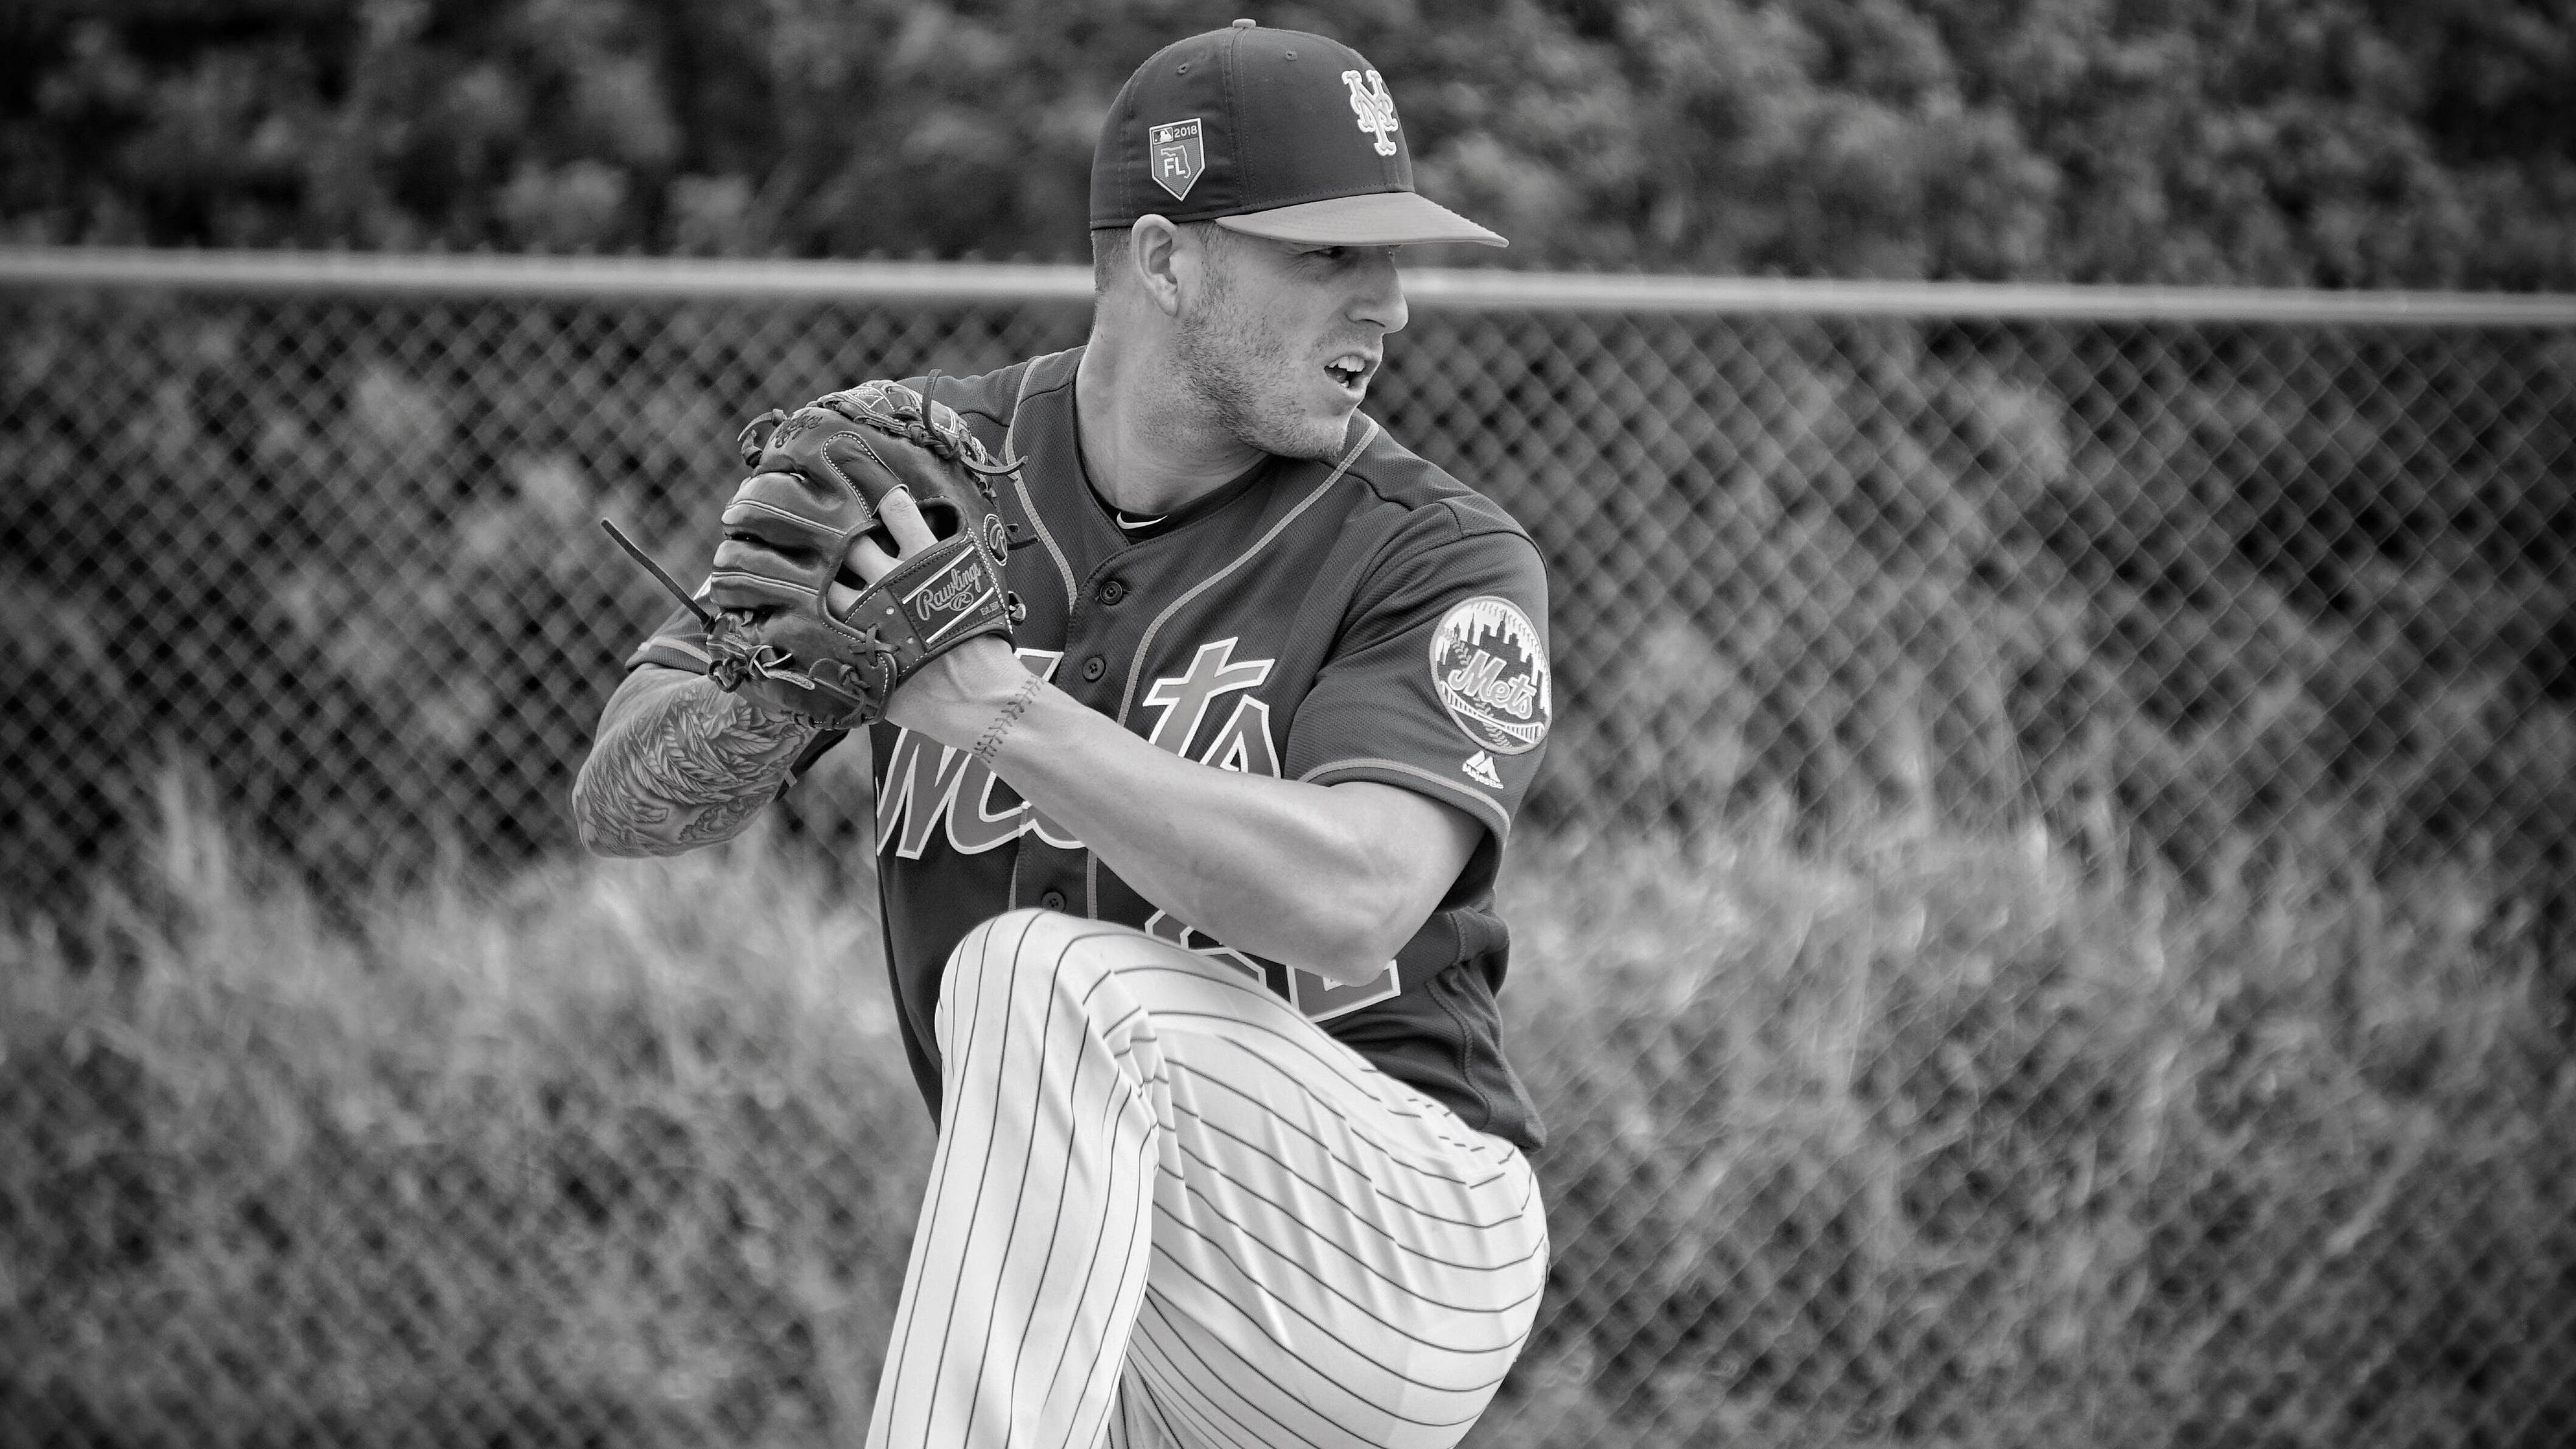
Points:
x=2045, y=919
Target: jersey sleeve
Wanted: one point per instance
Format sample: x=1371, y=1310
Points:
x=1441, y=683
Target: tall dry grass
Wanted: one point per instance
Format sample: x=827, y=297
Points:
x=1925, y=1141
x=1934, y=1142
x=613, y=1152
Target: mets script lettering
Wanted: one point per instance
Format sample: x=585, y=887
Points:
x=928, y=791
x=1481, y=679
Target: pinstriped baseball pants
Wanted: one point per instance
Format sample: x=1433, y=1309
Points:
x=1167, y=1209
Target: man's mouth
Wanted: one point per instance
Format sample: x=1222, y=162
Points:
x=1350, y=370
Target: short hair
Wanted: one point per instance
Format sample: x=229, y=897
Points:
x=1111, y=244
x=1108, y=254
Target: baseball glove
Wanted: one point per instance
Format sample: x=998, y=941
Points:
x=822, y=475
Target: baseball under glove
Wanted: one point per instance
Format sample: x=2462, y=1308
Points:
x=823, y=473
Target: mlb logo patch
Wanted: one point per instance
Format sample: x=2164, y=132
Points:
x=1173, y=149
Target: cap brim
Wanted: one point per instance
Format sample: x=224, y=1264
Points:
x=1372, y=219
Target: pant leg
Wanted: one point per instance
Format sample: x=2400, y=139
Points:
x=1165, y=1207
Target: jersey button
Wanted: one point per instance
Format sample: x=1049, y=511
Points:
x=1112, y=591
x=1093, y=668
x=1052, y=900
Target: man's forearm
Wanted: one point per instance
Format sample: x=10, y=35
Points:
x=1333, y=879
x=679, y=764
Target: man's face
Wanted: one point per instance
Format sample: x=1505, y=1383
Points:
x=1284, y=338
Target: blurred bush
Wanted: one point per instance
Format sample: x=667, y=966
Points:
x=2185, y=595
x=2341, y=143
x=351, y=557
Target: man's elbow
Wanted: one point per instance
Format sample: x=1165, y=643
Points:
x=1353, y=968
x=602, y=831
x=606, y=845
x=1354, y=948
x=1353, y=935
x=594, y=837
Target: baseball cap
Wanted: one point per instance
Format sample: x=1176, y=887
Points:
x=1273, y=133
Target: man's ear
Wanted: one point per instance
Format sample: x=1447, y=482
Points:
x=1154, y=252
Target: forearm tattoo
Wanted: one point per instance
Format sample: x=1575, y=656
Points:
x=679, y=766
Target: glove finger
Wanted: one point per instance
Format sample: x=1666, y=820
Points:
x=793, y=512
x=749, y=575
x=861, y=468
x=801, y=567
x=878, y=467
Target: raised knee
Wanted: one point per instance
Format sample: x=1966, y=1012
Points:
x=1040, y=930
x=1028, y=948
x=1028, y=918
x=1019, y=959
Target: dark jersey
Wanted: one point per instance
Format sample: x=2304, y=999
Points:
x=1368, y=618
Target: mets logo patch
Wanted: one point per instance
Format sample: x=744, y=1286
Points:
x=1177, y=156
x=1490, y=669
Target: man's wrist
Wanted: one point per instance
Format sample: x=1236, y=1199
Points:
x=956, y=696
x=988, y=745
x=753, y=710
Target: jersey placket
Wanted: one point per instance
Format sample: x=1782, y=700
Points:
x=1097, y=644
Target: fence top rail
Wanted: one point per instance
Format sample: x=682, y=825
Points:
x=1434, y=288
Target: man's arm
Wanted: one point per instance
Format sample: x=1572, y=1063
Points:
x=1333, y=878
x=679, y=763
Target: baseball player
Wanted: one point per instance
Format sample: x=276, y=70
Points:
x=1202, y=710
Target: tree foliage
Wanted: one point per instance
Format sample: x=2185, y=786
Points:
x=2343, y=143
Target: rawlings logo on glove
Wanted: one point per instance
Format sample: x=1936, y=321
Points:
x=823, y=474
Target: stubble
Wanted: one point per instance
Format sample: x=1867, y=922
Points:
x=1237, y=372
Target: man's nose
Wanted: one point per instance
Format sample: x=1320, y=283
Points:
x=1380, y=299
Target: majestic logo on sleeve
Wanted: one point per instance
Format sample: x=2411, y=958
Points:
x=1176, y=154
x=1374, y=107
x=1490, y=669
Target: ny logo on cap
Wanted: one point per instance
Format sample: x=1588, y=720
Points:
x=1178, y=160
x=1374, y=107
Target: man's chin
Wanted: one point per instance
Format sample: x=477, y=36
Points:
x=1314, y=438
x=1273, y=414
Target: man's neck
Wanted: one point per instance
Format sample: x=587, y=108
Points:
x=1147, y=450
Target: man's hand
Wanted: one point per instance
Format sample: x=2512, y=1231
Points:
x=785, y=629
x=952, y=697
